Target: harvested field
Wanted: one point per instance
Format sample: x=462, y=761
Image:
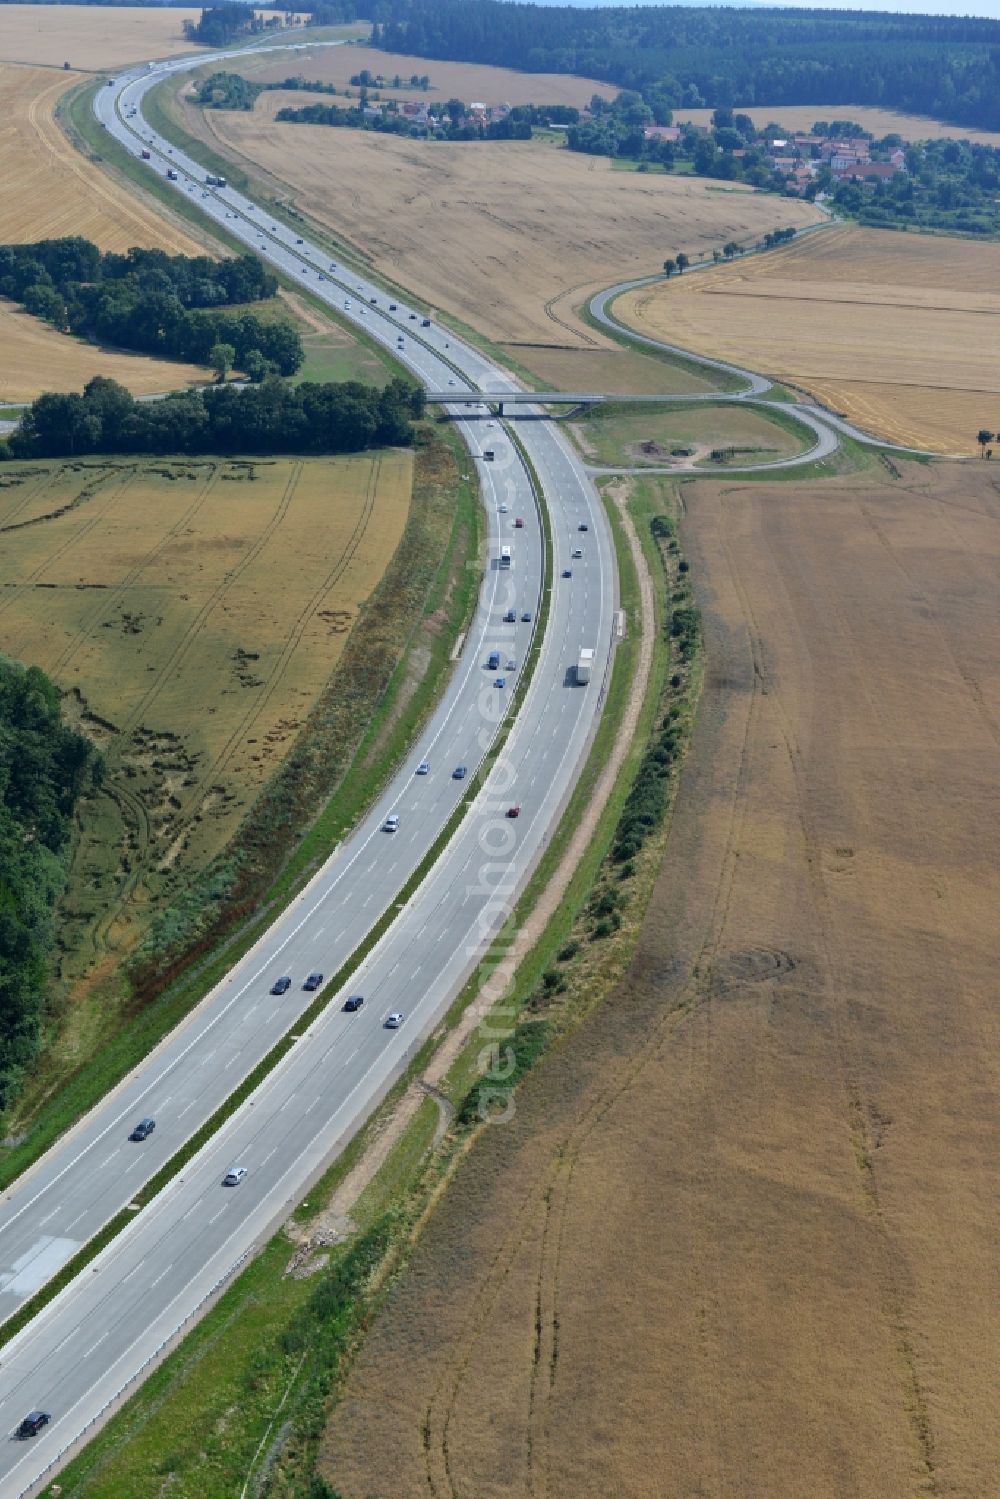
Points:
x=448, y=80
x=508, y=236
x=92, y=36
x=186, y=610
x=37, y=358
x=50, y=189
x=915, y=313
x=658, y=435
x=616, y=371
x=879, y=122
x=740, y=1235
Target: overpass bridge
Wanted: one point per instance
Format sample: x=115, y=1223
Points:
x=501, y=398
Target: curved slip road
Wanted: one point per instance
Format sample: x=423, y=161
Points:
x=96, y=1337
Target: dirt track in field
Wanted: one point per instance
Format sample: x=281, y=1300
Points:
x=741, y=1236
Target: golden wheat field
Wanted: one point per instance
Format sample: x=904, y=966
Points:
x=91, y=36
x=740, y=1236
x=50, y=189
x=508, y=236
x=467, y=81
x=898, y=332
x=879, y=122
x=188, y=613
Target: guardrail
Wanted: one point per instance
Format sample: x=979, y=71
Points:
x=60, y=1457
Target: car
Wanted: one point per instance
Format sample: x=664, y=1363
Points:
x=526, y=617
x=33, y=1423
x=567, y=572
x=392, y=305
x=519, y=523
x=300, y=241
x=514, y=811
x=394, y=1020
x=459, y=773
x=314, y=981
x=234, y=1176
x=391, y=824
x=511, y=664
x=583, y=526
x=282, y=985
x=413, y=317
x=333, y=265
x=373, y=301
x=500, y=682
x=423, y=768
x=353, y=1002
x=503, y=509
x=577, y=552
x=451, y=382
x=143, y=1129
x=274, y=228
x=510, y=618
x=320, y=275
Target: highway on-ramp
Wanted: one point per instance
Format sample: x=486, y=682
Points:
x=99, y=1334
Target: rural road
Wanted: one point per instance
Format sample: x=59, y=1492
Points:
x=100, y=1333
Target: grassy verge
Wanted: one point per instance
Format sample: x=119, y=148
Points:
x=619, y=334
x=424, y=601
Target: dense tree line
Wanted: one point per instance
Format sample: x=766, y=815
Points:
x=227, y=91
x=948, y=67
x=146, y=300
x=449, y=121
x=44, y=767
x=272, y=417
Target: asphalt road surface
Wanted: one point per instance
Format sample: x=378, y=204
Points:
x=96, y=1338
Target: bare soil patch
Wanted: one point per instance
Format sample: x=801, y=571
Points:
x=740, y=1236
x=896, y=331
x=509, y=236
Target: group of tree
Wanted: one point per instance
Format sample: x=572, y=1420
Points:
x=44, y=768
x=271, y=417
x=945, y=66
x=227, y=91
x=948, y=184
x=451, y=120
x=154, y=303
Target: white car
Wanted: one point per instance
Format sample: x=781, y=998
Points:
x=577, y=552
x=234, y=1176
x=391, y=824
x=503, y=509
x=394, y=1020
x=423, y=768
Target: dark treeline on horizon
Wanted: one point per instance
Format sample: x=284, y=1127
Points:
x=948, y=67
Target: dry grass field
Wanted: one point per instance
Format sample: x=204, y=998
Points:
x=915, y=315
x=657, y=435
x=740, y=1237
x=448, y=80
x=37, y=358
x=879, y=121
x=92, y=37
x=50, y=189
x=188, y=613
x=508, y=236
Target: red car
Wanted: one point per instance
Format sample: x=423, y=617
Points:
x=513, y=811
x=519, y=523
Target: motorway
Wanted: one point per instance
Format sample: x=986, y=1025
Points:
x=99, y=1334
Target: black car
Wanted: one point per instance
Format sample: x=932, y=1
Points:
x=313, y=981
x=33, y=1423
x=526, y=617
x=143, y=1129
x=510, y=617
x=281, y=986
x=354, y=1003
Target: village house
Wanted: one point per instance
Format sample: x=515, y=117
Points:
x=662, y=132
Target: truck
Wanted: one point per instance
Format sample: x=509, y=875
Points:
x=211, y=181
x=505, y=556
x=584, y=665
x=171, y=175
x=145, y=155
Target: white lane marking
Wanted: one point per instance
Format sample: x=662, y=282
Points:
x=187, y=1107
x=95, y=1345
x=217, y=1215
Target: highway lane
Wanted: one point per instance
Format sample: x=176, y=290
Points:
x=97, y=1334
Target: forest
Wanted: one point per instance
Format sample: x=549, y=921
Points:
x=44, y=768
x=948, y=67
x=267, y=418
x=152, y=302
